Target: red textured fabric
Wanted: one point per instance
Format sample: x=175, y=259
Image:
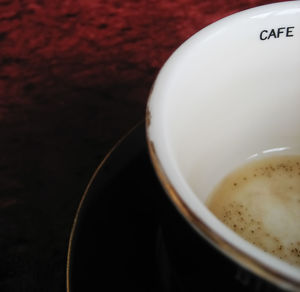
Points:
x=50, y=45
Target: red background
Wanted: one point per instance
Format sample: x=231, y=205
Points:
x=74, y=77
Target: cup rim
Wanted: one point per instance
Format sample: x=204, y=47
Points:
x=260, y=268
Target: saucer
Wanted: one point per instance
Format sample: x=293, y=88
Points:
x=128, y=235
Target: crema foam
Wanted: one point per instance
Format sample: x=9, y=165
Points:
x=261, y=202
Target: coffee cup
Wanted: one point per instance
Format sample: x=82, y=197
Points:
x=228, y=96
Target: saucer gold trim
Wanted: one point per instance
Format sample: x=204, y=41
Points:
x=75, y=221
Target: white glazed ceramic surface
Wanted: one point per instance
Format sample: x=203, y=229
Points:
x=229, y=94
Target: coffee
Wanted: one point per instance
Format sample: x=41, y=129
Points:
x=261, y=202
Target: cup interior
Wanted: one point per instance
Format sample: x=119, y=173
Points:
x=229, y=94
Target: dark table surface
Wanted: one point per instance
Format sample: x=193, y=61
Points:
x=74, y=78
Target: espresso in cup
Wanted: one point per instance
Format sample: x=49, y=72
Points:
x=227, y=96
x=261, y=202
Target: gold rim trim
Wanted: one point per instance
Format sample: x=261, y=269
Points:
x=75, y=221
x=224, y=246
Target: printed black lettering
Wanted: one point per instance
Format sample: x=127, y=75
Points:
x=262, y=37
x=289, y=31
x=280, y=30
x=272, y=34
x=276, y=33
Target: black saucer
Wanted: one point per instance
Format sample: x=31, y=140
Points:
x=128, y=235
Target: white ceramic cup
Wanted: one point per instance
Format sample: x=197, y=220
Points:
x=228, y=94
